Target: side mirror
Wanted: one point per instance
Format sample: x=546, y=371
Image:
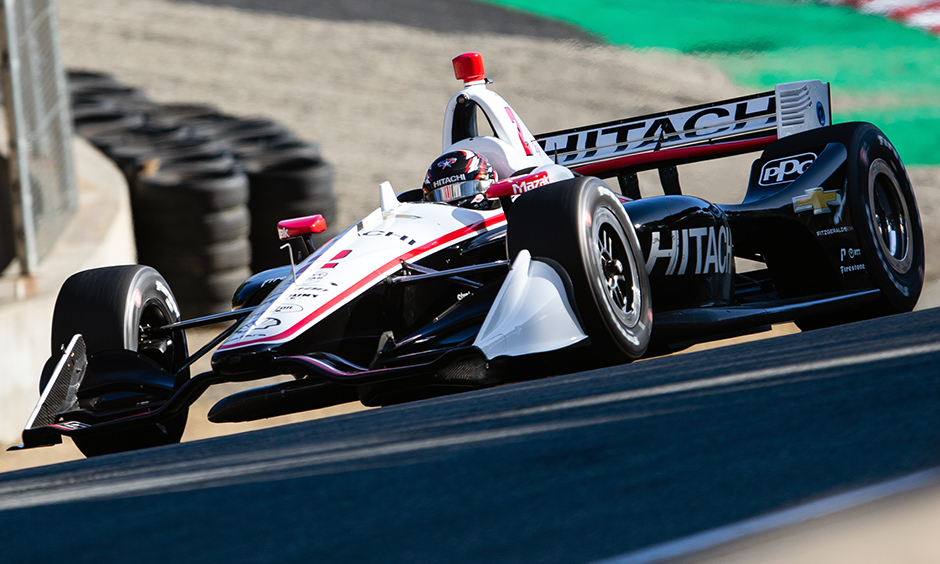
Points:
x=290, y=228
x=301, y=228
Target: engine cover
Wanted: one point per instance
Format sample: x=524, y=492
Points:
x=687, y=246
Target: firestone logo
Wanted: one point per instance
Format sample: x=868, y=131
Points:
x=787, y=169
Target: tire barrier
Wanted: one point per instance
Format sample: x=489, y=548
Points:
x=286, y=186
x=207, y=188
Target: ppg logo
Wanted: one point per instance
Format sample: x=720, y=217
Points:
x=786, y=169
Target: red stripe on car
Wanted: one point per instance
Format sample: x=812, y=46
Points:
x=395, y=263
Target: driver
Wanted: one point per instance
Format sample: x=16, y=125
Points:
x=459, y=178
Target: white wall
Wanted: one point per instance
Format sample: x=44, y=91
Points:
x=100, y=234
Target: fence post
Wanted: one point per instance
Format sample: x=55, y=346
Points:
x=20, y=192
x=44, y=193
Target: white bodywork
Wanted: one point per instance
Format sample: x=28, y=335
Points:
x=531, y=313
x=514, y=147
x=802, y=106
x=356, y=260
x=536, y=320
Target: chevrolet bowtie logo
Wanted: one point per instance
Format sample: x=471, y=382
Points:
x=818, y=200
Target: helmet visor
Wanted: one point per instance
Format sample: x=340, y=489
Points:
x=458, y=191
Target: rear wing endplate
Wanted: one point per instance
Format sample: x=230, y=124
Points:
x=790, y=108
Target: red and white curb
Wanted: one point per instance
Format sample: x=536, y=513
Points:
x=920, y=14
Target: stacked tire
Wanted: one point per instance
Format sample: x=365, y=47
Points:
x=207, y=188
x=287, y=177
x=100, y=103
x=286, y=184
x=192, y=225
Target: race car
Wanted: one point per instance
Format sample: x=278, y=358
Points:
x=514, y=260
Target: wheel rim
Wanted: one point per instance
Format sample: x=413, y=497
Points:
x=162, y=350
x=618, y=272
x=889, y=216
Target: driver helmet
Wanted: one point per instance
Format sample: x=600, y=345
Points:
x=457, y=176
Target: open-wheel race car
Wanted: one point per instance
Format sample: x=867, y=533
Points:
x=513, y=261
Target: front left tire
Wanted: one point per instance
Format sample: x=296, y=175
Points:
x=109, y=307
x=581, y=225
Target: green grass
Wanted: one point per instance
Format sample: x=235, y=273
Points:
x=880, y=71
x=914, y=131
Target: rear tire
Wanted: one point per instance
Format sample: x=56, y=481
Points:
x=886, y=219
x=581, y=225
x=108, y=306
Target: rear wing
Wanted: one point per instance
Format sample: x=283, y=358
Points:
x=699, y=132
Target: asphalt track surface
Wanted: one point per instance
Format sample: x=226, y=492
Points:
x=573, y=468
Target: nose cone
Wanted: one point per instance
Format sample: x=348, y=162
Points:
x=255, y=360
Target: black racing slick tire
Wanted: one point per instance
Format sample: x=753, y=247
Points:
x=581, y=224
x=108, y=306
x=887, y=224
x=886, y=219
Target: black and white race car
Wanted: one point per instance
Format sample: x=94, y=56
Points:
x=515, y=260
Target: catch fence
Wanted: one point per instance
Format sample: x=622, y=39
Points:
x=43, y=193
